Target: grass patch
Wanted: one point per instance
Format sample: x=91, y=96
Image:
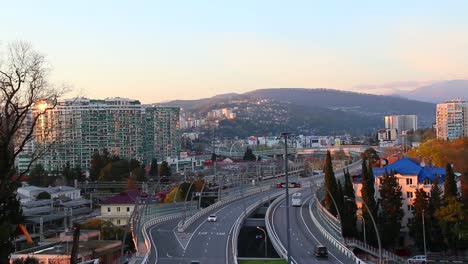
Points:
x=278, y=261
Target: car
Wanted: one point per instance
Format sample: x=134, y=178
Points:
x=212, y=218
x=321, y=252
x=419, y=259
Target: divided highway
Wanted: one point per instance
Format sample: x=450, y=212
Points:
x=207, y=242
x=304, y=234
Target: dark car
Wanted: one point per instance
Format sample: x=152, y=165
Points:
x=321, y=252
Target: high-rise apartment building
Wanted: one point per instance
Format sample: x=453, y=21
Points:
x=452, y=119
x=162, y=134
x=401, y=122
x=76, y=129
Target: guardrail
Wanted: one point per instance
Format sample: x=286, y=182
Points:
x=237, y=225
x=375, y=251
x=250, y=191
x=340, y=246
x=253, y=190
x=150, y=223
x=278, y=246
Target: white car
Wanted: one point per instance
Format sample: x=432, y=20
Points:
x=212, y=218
x=420, y=259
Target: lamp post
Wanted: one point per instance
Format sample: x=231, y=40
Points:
x=288, y=236
x=375, y=226
x=364, y=227
x=265, y=235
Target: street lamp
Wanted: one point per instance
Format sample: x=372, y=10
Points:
x=288, y=236
x=265, y=235
x=364, y=227
x=373, y=222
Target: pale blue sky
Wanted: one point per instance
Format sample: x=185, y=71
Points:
x=161, y=50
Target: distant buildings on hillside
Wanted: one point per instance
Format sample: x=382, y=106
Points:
x=396, y=127
x=77, y=128
x=452, y=119
x=401, y=123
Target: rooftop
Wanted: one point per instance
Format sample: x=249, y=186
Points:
x=128, y=197
x=408, y=166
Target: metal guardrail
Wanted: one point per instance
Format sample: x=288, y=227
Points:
x=340, y=246
x=277, y=245
x=237, y=225
x=375, y=251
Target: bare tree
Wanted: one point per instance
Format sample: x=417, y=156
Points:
x=25, y=96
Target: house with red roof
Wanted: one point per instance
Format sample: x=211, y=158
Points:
x=118, y=208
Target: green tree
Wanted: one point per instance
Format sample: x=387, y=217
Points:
x=451, y=216
x=421, y=209
x=391, y=212
x=39, y=177
x=450, y=185
x=139, y=173
x=98, y=162
x=248, y=155
x=43, y=196
x=154, y=168
x=368, y=197
x=371, y=155
x=435, y=241
x=330, y=185
x=67, y=174
x=164, y=169
x=350, y=208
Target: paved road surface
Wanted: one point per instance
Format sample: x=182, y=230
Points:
x=207, y=242
x=304, y=234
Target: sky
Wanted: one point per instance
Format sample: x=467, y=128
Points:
x=179, y=49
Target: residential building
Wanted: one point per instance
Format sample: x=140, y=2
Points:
x=118, y=208
x=161, y=132
x=452, y=119
x=77, y=128
x=401, y=123
x=412, y=175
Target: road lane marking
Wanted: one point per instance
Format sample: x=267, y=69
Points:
x=305, y=223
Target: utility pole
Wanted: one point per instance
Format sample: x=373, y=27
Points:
x=288, y=235
x=76, y=241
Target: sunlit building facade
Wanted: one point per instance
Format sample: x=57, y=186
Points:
x=77, y=128
x=452, y=120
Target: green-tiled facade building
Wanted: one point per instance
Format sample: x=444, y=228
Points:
x=80, y=127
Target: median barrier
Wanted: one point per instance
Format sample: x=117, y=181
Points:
x=237, y=225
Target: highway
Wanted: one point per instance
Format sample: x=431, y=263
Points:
x=207, y=242
x=304, y=234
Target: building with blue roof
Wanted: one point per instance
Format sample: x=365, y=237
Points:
x=412, y=175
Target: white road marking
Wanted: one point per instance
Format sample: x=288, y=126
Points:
x=305, y=224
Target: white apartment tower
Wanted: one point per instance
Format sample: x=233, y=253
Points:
x=401, y=122
x=452, y=119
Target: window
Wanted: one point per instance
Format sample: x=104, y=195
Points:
x=108, y=209
x=118, y=209
x=118, y=221
x=128, y=209
x=409, y=195
x=409, y=181
x=427, y=181
x=410, y=208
